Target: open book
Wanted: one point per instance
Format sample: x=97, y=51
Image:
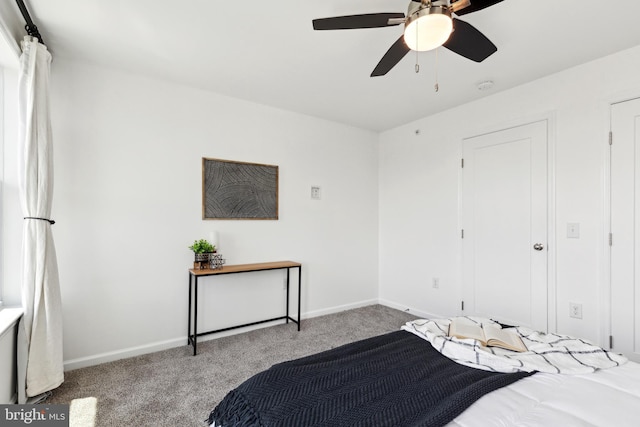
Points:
x=489, y=336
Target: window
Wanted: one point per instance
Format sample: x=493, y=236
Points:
x=2, y=128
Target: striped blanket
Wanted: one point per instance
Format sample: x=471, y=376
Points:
x=552, y=353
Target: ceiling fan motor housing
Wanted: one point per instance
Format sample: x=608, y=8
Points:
x=428, y=25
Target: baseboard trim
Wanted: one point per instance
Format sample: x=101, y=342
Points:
x=410, y=310
x=83, y=362
x=111, y=356
x=339, y=308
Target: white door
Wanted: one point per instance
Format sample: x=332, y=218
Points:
x=625, y=228
x=504, y=219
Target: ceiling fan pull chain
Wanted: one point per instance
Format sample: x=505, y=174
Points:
x=417, y=65
x=436, y=86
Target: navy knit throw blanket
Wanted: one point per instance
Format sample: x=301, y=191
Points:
x=396, y=379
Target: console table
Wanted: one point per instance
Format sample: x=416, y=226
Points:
x=194, y=274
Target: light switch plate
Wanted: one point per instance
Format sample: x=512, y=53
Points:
x=315, y=192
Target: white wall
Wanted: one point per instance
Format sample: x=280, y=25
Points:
x=11, y=211
x=127, y=203
x=419, y=231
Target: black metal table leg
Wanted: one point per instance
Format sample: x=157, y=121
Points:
x=299, y=293
x=189, y=317
x=288, y=295
x=195, y=315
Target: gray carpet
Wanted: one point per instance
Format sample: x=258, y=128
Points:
x=172, y=388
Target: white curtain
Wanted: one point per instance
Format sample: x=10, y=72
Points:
x=42, y=320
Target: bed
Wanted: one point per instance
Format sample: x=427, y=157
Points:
x=420, y=377
x=606, y=398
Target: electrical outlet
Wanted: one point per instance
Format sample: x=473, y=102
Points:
x=575, y=310
x=436, y=283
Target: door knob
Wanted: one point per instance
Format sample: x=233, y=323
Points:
x=538, y=246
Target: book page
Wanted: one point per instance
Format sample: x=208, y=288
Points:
x=504, y=338
x=466, y=330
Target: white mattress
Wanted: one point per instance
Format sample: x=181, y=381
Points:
x=609, y=397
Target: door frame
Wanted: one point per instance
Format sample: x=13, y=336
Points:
x=550, y=118
x=605, y=309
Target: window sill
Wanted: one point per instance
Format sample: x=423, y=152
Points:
x=9, y=316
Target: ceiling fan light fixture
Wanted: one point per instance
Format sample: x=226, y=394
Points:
x=428, y=28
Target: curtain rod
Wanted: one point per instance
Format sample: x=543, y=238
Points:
x=31, y=28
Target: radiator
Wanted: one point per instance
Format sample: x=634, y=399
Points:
x=8, y=353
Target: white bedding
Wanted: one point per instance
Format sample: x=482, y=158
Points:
x=551, y=353
x=608, y=397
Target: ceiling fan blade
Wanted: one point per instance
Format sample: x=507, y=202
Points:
x=396, y=52
x=467, y=41
x=370, y=20
x=477, y=5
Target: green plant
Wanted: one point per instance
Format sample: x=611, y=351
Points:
x=202, y=246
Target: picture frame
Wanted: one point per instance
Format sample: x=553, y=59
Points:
x=239, y=190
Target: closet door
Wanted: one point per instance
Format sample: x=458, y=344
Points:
x=625, y=228
x=504, y=217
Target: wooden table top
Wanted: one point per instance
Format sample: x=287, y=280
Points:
x=238, y=268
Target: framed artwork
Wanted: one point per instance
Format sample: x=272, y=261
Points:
x=239, y=190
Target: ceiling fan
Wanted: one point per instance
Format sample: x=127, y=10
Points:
x=427, y=25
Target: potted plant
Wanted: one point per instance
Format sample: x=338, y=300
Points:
x=201, y=248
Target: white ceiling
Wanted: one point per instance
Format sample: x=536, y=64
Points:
x=267, y=51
